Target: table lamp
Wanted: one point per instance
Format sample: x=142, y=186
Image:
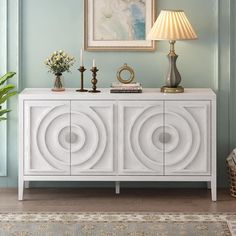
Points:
x=172, y=25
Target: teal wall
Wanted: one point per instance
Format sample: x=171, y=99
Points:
x=3, y=68
x=47, y=25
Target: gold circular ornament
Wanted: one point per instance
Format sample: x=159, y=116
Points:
x=125, y=68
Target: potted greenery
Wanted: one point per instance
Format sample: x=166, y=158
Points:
x=5, y=93
x=58, y=63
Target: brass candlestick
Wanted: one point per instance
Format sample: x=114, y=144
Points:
x=82, y=70
x=94, y=80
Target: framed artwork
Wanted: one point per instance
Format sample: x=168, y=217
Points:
x=118, y=25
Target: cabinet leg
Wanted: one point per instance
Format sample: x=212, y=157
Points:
x=20, y=189
x=213, y=191
x=117, y=187
x=27, y=184
x=208, y=185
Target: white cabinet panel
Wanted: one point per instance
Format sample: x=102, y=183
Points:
x=46, y=138
x=92, y=149
x=141, y=131
x=150, y=136
x=187, y=138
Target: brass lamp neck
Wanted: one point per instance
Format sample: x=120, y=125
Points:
x=172, y=46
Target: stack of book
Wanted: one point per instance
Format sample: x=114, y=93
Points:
x=126, y=88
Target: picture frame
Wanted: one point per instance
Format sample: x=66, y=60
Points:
x=118, y=25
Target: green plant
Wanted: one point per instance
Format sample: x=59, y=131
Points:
x=5, y=93
x=59, y=62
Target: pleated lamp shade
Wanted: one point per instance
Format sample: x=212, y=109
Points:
x=172, y=25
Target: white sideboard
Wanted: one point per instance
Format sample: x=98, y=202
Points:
x=70, y=136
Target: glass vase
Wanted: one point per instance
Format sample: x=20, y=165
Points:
x=58, y=83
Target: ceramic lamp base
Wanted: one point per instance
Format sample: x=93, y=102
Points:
x=166, y=89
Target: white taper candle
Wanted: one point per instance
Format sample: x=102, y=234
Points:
x=81, y=57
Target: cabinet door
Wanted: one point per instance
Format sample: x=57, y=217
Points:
x=46, y=138
x=187, y=137
x=92, y=138
x=141, y=131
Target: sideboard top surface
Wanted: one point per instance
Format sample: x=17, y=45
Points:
x=148, y=94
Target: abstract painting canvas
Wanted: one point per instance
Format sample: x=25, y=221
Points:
x=118, y=25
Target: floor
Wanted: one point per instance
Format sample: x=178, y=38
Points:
x=105, y=200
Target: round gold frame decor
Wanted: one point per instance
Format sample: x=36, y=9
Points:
x=125, y=67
